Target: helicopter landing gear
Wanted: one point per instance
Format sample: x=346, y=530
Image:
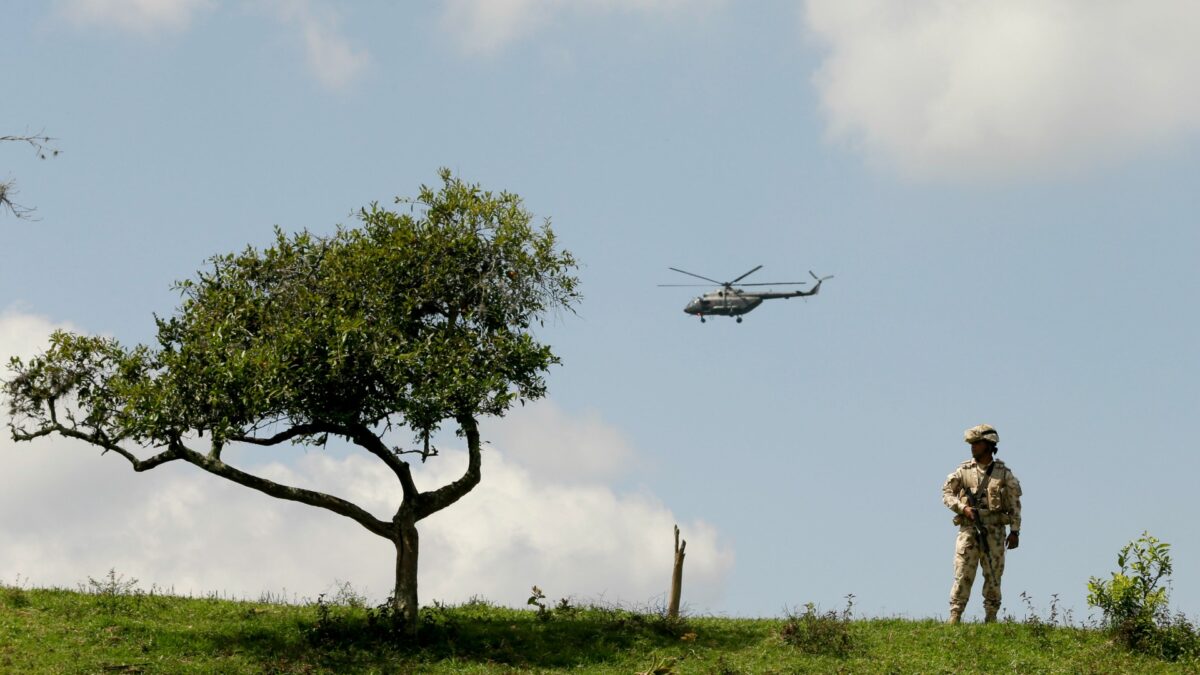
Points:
x=739, y=319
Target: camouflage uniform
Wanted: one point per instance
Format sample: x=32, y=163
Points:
x=1000, y=505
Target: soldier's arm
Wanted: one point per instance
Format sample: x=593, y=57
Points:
x=1013, y=496
x=950, y=490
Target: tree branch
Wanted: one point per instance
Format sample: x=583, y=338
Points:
x=99, y=440
x=436, y=500
x=363, y=437
x=213, y=464
x=287, y=435
x=357, y=433
x=311, y=497
x=41, y=144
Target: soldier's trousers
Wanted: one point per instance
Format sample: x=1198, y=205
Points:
x=967, y=558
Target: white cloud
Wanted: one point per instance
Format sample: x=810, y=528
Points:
x=69, y=513
x=562, y=447
x=1006, y=88
x=24, y=335
x=330, y=55
x=137, y=16
x=483, y=26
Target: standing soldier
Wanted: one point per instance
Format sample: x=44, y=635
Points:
x=985, y=496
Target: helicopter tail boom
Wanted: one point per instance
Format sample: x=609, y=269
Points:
x=794, y=294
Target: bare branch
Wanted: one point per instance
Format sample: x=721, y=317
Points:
x=311, y=497
x=42, y=145
x=213, y=464
x=358, y=434
x=436, y=500
x=99, y=440
x=425, y=454
x=287, y=435
x=7, y=190
x=363, y=437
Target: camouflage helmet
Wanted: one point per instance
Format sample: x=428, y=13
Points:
x=983, y=432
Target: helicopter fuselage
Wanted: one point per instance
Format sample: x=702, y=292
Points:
x=722, y=304
x=735, y=302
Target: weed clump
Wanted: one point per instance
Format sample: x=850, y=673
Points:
x=826, y=633
x=14, y=597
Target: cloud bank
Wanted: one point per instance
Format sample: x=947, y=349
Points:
x=485, y=26
x=146, y=17
x=67, y=514
x=329, y=55
x=987, y=89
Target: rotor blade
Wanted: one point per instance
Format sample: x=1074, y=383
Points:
x=778, y=283
x=675, y=269
x=745, y=275
x=683, y=285
x=819, y=279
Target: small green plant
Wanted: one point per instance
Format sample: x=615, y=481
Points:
x=346, y=595
x=14, y=596
x=536, y=599
x=1134, y=602
x=1041, y=628
x=827, y=633
x=115, y=594
x=563, y=610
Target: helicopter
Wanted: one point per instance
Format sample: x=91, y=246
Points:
x=730, y=301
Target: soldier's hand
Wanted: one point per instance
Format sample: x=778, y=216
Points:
x=969, y=512
x=1013, y=540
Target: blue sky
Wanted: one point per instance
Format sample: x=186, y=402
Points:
x=1005, y=191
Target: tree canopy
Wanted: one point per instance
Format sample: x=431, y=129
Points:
x=416, y=316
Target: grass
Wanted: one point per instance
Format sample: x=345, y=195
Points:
x=112, y=627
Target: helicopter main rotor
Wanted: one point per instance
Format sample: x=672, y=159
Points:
x=728, y=285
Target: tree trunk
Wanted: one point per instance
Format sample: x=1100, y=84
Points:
x=404, y=598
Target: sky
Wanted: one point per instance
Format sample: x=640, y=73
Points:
x=1005, y=191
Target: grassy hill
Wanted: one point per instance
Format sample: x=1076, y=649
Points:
x=114, y=628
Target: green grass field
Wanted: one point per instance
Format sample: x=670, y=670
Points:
x=114, y=628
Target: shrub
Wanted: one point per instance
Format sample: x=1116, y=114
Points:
x=115, y=594
x=1134, y=602
x=827, y=633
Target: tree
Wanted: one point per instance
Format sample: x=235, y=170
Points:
x=408, y=321
x=41, y=144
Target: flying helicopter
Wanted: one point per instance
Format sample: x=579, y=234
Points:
x=731, y=301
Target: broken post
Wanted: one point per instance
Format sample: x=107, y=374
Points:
x=676, y=577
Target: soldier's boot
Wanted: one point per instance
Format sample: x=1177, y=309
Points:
x=990, y=616
x=955, y=616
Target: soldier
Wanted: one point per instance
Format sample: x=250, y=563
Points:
x=996, y=493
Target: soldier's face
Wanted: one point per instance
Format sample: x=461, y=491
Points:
x=981, y=450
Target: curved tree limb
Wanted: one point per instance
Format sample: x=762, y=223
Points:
x=213, y=464
x=363, y=437
x=99, y=440
x=436, y=500
x=358, y=434
x=287, y=435
x=311, y=497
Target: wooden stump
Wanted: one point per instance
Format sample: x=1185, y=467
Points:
x=676, y=577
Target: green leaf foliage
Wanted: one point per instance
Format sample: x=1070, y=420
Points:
x=1134, y=601
x=414, y=316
